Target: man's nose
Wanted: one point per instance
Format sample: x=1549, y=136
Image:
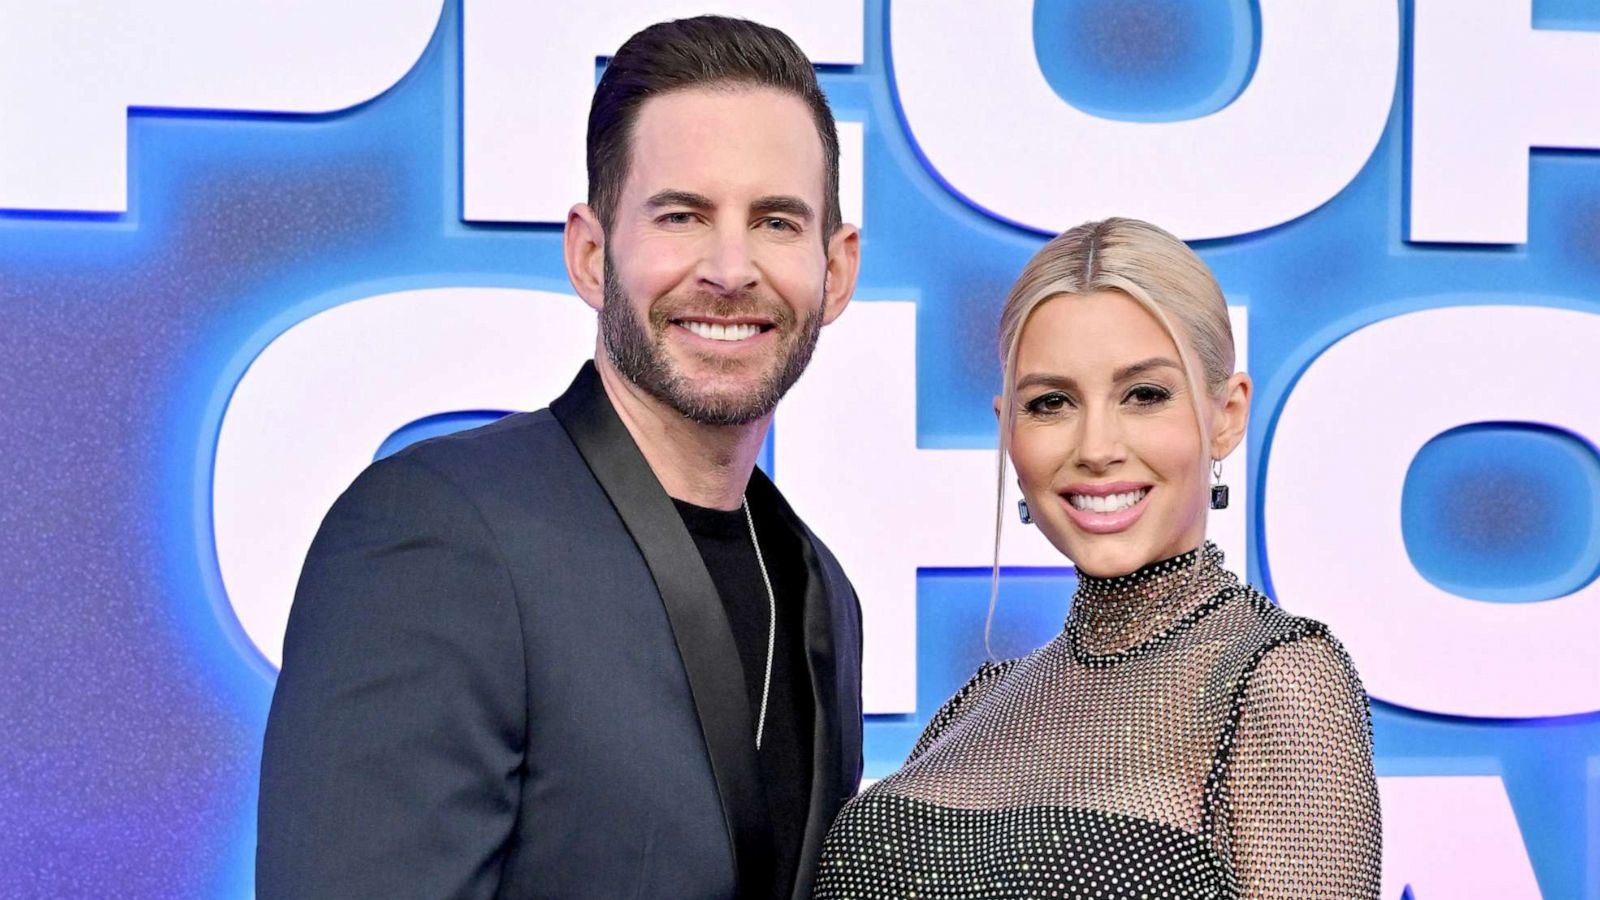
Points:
x=729, y=265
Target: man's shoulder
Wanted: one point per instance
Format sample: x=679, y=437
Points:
x=519, y=455
x=519, y=440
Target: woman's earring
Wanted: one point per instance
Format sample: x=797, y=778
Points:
x=1219, y=491
x=1023, y=514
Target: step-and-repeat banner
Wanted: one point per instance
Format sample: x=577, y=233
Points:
x=246, y=248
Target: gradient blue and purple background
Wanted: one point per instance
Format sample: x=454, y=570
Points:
x=131, y=713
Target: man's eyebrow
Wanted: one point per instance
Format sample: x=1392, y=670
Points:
x=679, y=198
x=1143, y=366
x=782, y=203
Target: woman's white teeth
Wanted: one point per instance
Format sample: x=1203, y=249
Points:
x=715, y=332
x=1108, y=504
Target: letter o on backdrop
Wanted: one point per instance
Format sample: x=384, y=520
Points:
x=1338, y=462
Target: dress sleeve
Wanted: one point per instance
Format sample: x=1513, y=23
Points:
x=958, y=704
x=393, y=747
x=1300, y=797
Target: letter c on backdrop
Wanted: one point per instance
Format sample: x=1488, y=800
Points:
x=1339, y=457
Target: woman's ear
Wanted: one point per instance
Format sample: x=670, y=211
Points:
x=1233, y=417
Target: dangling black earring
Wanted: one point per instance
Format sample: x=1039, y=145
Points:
x=1219, y=491
x=1023, y=514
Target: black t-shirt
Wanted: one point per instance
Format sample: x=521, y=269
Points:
x=723, y=538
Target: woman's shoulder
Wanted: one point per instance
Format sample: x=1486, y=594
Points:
x=1272, y=626
x=1295, y=655
x=1274, y=641
x=962, y=700
x=989, y=672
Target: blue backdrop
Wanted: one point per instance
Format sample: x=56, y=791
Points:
x=132, y=713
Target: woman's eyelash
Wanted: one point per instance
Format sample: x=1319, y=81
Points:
x=1044, y=404
x=1149, y=394
x=1056, y=401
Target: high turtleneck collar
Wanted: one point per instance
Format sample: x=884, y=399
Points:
x=1115, y=614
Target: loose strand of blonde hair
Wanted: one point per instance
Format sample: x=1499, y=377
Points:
x=994, y=573
x=1007, y=420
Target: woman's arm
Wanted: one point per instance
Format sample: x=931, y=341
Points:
x=1300, y=800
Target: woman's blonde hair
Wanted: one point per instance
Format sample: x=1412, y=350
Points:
x=1143, y=263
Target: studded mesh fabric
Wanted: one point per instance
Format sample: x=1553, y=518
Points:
x=1181, y=738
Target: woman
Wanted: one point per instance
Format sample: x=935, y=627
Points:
x=1182, y=736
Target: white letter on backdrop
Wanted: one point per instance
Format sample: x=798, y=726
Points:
x=68, y=78
x=1345, y=440
x=1453, y=836
x=315, y=405
x=979, y=107
x=529, y=73
x=1486, y=87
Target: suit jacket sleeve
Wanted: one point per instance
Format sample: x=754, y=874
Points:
x=392, y=760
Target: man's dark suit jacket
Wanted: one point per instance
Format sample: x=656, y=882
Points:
x=507, y=674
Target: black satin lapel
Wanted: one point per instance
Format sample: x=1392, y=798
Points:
x=832, y=754
x=699, y=623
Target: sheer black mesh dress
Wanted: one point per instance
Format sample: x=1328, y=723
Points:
x=1181, y=738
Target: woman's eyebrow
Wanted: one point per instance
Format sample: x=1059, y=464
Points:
x=1045, y=379
x=1132, y=370
x=1143, y=366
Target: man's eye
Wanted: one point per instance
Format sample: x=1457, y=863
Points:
x=677, y=218
x=1149, y=395
x=772, y=224
x=1045, y=404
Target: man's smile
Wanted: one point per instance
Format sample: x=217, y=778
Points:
x=736, y=330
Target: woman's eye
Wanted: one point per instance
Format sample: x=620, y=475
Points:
x=1045, y=404
x=1149, y=395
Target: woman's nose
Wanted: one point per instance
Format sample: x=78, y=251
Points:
x=1099, y=440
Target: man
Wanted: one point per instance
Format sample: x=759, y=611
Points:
x=589, y=651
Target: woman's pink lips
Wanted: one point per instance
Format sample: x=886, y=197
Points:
x=1107, y=522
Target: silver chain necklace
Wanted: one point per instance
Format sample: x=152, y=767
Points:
x=772, y=619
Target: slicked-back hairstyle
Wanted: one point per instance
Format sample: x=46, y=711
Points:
x=704, y=52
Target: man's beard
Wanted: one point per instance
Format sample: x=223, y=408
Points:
x=640, y=353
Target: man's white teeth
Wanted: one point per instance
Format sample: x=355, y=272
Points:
x=1108, y=504
x=715, y=332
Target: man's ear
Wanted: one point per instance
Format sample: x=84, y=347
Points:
x=583, y=245
x=1234, y=416
x=844, y=262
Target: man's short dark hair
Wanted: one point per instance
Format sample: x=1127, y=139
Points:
x=706, y=51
